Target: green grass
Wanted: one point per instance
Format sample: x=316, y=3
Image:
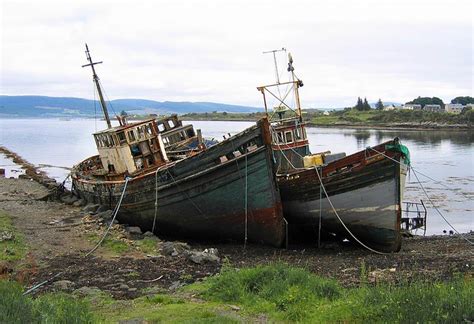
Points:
x=277, y=293
x=50, y=308
x=376, y=117
x=147, y=245
x=294, y=294
x=111, y=244
x=165, y=308
x=15, y=249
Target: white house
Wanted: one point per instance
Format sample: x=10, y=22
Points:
x=453, y=108
x=433, y=108
x=412, y=107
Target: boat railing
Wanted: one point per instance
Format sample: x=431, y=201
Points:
x=414, y=217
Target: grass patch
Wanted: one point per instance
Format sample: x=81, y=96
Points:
x=111, y=244
x=286, y=293
x=147, y=245
x=164, y=308
x=420, y=301
x=50, y=308
x=14, y=249
x=294, y=294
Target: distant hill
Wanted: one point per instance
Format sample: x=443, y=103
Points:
x=42, y=106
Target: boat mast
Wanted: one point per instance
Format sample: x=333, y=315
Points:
x=97, y=84
x=295, y=83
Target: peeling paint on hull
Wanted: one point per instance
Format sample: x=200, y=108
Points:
x=367, y=197
x=201, y=198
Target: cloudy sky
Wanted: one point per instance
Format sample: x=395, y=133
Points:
x=211, y=50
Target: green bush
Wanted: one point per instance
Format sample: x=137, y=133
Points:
x=275, y=288
x=50, y=308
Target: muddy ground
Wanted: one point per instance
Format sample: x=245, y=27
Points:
x=59, y=235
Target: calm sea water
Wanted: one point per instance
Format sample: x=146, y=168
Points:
x=444, y=156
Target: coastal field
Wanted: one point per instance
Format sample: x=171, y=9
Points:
x=133, y=276
x=361, y=119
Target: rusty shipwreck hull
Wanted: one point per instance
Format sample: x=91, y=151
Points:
x=220, y=193
x=366, y=190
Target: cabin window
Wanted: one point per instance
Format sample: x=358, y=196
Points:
x=121, y=137
x=304, y=132
x=190, y=132
x=171, y=123
x=111, y=140
x=182, y=136
x=289, y=137
x=297, y=133
x=166, y=141
x=141, y=132
x=135, y=150
x=139, y=163
x=111, y=168
x=280, y=137
x=131, y=136
x=148, y=129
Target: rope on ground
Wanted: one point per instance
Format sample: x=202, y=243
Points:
x=426, y=194
x=340, y=220
x=43, y=283
x=117, y=207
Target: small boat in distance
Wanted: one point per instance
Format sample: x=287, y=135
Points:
x=356, y=197
x=227, y=191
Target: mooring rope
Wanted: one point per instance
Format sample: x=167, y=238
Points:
x=116, y=209
x=340, y=220
x=426, y=194
x=436, y=208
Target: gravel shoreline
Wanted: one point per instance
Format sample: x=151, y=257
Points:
x=58, y=236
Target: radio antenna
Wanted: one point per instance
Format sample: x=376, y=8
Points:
x=275, y=60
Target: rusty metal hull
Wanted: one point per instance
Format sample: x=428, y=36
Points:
x=366, y=191
x=211, y=195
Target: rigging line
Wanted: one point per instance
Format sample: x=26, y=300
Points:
x=436, y=208
x=246, y=203
x=108, y=99
x=156, y=198
x=434, y=180
x=187, y=195
x=284, y=155
x=320, y=209
x=95, y=107
x=426, y=194
x=339, y=218
x=117, y=207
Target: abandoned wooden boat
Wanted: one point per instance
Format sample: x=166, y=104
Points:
x=227, y=191
x=356, y=197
